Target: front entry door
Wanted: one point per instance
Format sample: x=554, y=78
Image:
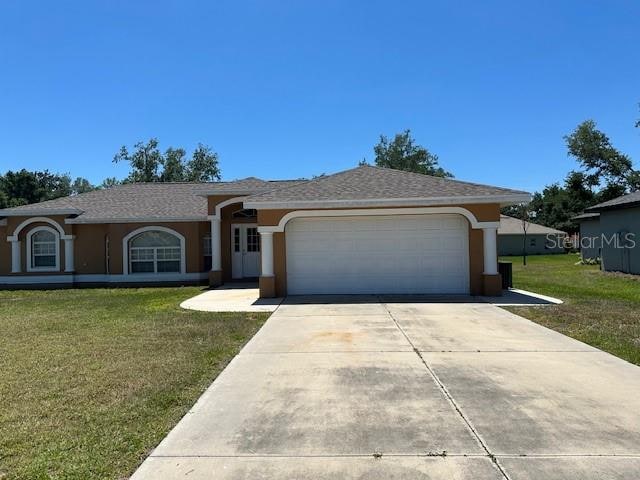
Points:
x=245, y=250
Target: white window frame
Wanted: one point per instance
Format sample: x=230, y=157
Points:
x=30, y=266
x=206, y=245
x=126, y=265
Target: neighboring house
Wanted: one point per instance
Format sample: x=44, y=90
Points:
x=589, y=238
x=364, y=230
x=619, y=225
x=539, y=239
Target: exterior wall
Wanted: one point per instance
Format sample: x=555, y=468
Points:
x=5, y=246
x=590, y=238
x=214, y=200
x=91, y=255
x=513, y=244
x=190, y=231
x=621, y=259
x=483, y=212
x=5, y=251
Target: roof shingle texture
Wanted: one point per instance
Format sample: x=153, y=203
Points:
x=623, y=201
x=154, y=201
x=147, y=200
x=367, y=182
x=513, y=226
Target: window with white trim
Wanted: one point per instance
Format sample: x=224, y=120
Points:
x=44, y=249
x=155, y=251
x=206, y=252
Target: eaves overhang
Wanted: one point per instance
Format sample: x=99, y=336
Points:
x=503, y=200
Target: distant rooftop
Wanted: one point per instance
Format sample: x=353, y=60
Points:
x=513, y=226
x=625, y=201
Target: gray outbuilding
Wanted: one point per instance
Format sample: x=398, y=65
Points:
x=619, y=225
x=540, y=240
x=589, y=239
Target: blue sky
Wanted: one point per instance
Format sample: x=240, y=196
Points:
x=286, y=89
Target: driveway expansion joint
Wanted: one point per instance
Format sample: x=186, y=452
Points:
x=448, y=396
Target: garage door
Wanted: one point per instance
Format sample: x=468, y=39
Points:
x=378, y=254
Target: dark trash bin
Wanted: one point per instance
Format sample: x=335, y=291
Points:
x=505, y=269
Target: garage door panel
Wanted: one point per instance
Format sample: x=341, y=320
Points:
x=400, y=254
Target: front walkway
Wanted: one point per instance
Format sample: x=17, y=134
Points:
x=375, y=388
x=244, y=297
x=232, y=297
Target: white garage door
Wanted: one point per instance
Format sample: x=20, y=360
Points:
x=378, y=254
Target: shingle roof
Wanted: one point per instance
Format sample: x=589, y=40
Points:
x=624, y=201
x=513, y=226
x=126, y=202
x=249, y=185
x=152, y=201
x=187, y=201
x=369, y=184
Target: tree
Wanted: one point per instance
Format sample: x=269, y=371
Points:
x=81, y=185
x=4, y=200
x=603, y=165
x=145, y=161
x=23, y=187
x=110, y=182
x=203, y=166
x=173, y=163
x=149, y=164
x=402, y=153
x=604, y=173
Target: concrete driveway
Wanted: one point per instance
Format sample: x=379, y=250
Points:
x=378, y=388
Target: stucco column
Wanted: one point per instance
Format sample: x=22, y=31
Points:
x=266, y=249
x=68, y=254
x=216, y=245
x=490, y=250
x=15, y=255
x=267, y=281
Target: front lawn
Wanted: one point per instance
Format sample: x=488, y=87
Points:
x=91, y=380
x=601, y=309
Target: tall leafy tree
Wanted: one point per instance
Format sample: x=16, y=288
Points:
x=81, y=185
x=145, y=161
x=603, y=173
x=110, y=182
x=22, y=187
x=149, y=164
x=402, y=153
x=603, y=166
x=203, y=166
x=173, y=165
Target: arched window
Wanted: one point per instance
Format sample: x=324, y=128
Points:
x=155, y=251
x=43, y=250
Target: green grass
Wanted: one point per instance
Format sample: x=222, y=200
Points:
x=601, y=308
x=91, y=380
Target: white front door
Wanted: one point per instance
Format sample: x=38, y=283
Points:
x=245, y=250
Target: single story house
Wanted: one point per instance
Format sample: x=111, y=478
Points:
x=364, y=230
x=619, y=231
x=589, y=238
x=540, y=240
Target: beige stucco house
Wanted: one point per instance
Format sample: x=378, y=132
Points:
x=364, y=230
